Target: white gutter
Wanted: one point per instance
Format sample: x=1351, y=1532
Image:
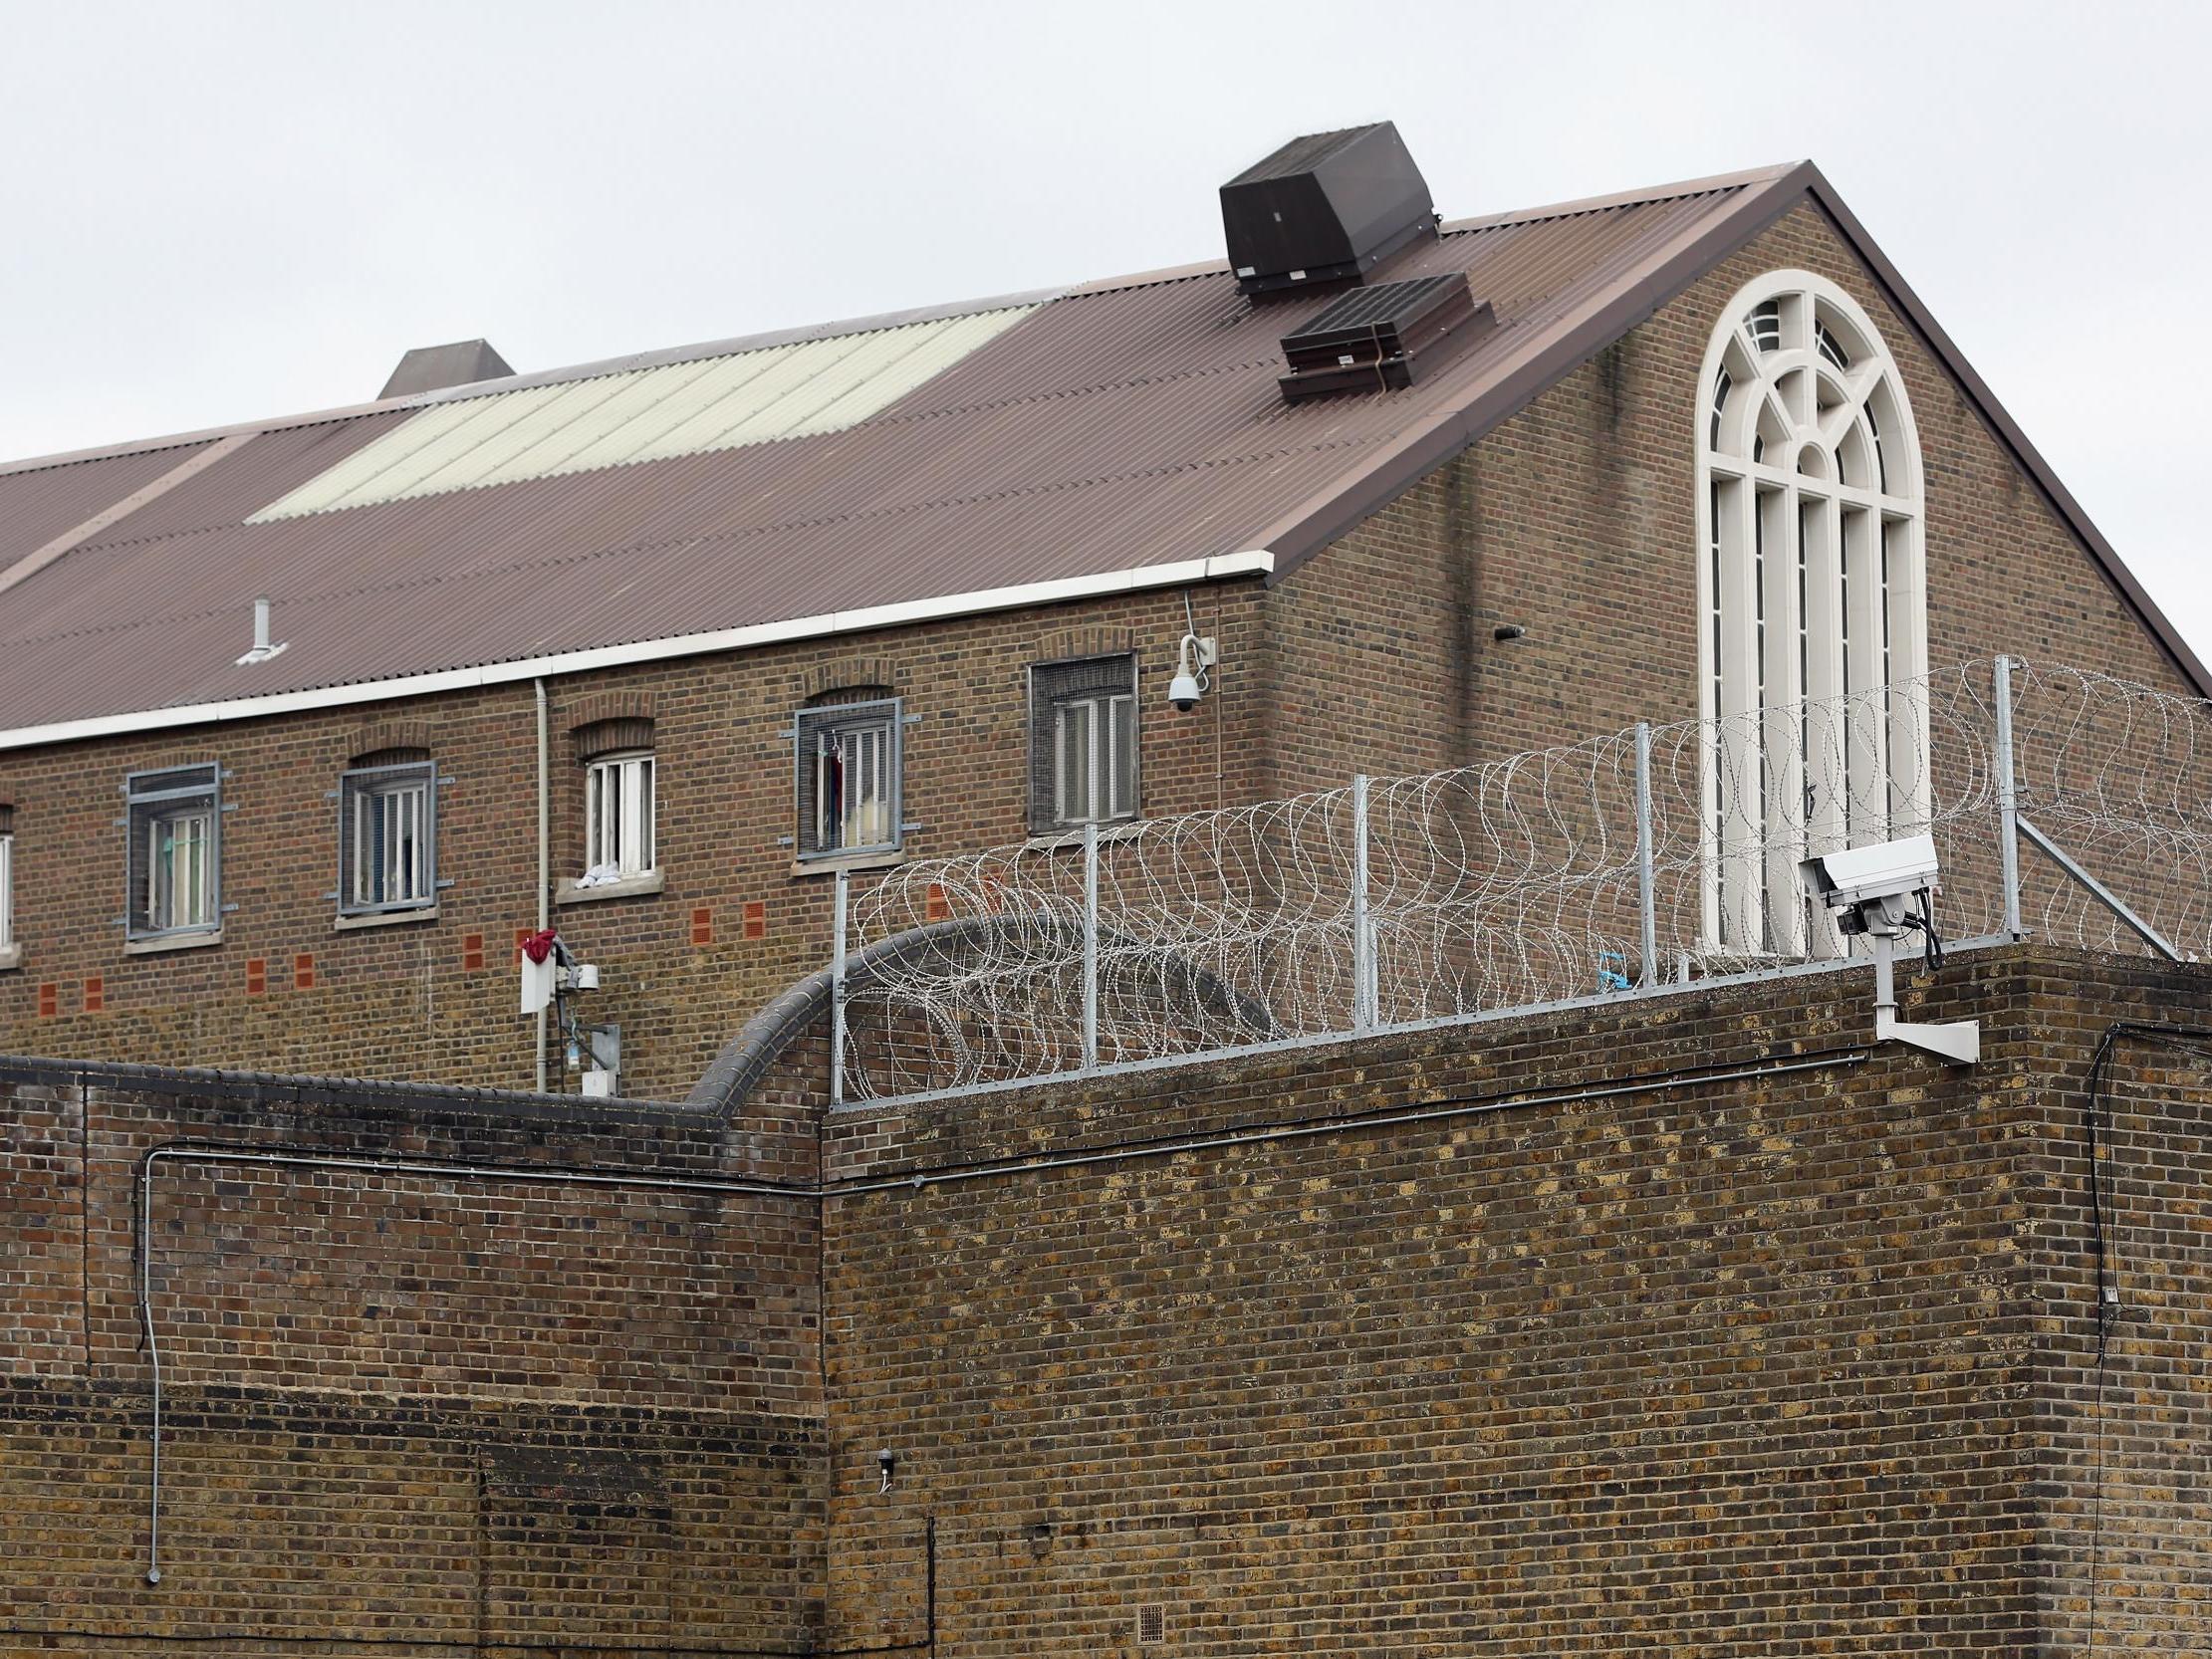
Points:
x=1220, y=568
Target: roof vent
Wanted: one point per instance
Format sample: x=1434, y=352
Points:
x=1324, y=209
x=434, y=368
x=1383, y=339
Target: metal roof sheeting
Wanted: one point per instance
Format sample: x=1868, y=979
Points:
x=795, y=390
x=1120, y=429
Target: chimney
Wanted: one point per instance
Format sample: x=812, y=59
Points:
x=1324, y=210
x=434, y=368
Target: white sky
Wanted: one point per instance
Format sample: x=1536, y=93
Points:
x=211, y=212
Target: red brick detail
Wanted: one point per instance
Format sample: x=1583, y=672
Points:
x=522, y=935
x=702, y=926
x=257, y=975
x=472, y=953
x=303, y=972
x=96, y=994
x=756, y=918
x=937, y=909
x=50, y=1000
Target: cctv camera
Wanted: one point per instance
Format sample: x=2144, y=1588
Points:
x=1868, y=887
x=1192, y=659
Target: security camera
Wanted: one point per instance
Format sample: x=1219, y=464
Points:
x=1873, y=890
x=1868, y=887
x=1197, y=655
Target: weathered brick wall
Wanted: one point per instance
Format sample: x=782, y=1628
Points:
x=437, y=1409
x=1739, y=1366
x=405, y=1000
x=1691, y=1326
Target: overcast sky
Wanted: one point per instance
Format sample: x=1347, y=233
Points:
x=211, y=212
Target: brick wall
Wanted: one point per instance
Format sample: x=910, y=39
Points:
x=1736, y=1366
x=1691, y=1326
x=436, y=1410
x=403, y=1001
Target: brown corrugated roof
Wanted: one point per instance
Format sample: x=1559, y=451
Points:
x=1118, y=428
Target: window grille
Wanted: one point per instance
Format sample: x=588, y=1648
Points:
x=7, y=891
x=1083, y=749
x=618, y=817
x=387, y=838
x=847, y=779
x=175, y=822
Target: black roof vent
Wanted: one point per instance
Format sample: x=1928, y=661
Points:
x=1383, y=339
x=1326, y=208
x=434, y=368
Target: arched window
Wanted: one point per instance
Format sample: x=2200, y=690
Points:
x=1811, y=602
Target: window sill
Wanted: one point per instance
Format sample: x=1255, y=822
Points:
x=10, y=958
x=384, y=918
x=630, y=886
x=856, y=861
x=166, y=942
x=1121, y=829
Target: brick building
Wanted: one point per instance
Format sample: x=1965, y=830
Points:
x=1692, y=1321
x=924, y=560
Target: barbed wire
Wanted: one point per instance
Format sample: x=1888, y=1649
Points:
x=1520, y=882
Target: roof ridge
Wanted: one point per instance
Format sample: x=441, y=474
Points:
x=765, y=340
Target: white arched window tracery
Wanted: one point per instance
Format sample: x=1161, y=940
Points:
x=1812, y=605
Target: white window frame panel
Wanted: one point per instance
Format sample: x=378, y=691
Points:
x=1811, y=542
x=404, y=796
x=870, y=822
x=7, y=890
x=152, y=911
x=1107, y=792
x=622, y=845
x=1102, y=773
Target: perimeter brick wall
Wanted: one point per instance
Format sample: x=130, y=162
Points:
x=1782, y=1365
x=424, y=1412
x=1793, y=1362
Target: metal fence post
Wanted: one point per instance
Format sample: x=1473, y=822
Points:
x=1089, y=946
x=836, y=987
x=1363, y=935
x=1647, y=898
x=2008, y=800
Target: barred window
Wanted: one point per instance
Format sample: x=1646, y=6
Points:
x=618, y=817
x=1083, y=741
x=175, y=822
x=387, y=837
x=7, y=884
x=848, y=779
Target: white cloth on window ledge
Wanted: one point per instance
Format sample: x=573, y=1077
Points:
x=599, y=875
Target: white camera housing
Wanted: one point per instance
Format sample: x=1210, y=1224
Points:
x=1868, y=887
x=1197, y=655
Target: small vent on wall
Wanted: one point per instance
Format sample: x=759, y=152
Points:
x=1385, y=339
x=1152, y=1624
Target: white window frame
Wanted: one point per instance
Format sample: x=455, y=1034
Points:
x=868, y=823
x=153, y=912
x=1108, y=791
x=7, y=889
x=622, y=844
x=401, y=796
x=1812, y=607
